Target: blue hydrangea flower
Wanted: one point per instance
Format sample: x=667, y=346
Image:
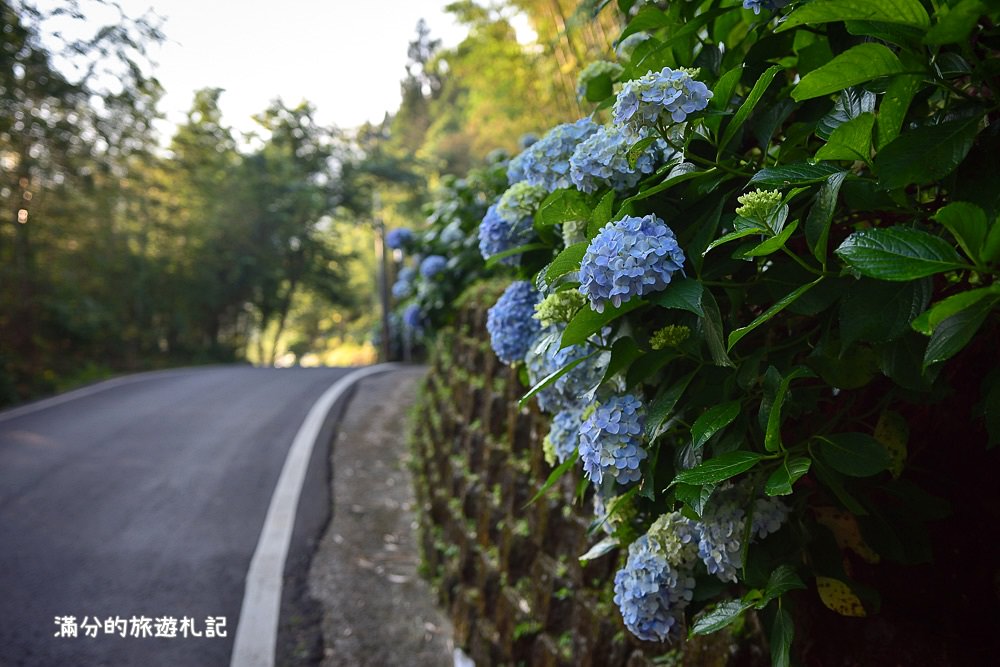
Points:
x=601, y=160
x=518, y=204
x=667, y=96
x=564, y=435
x=413, y=317
x=720, y=537
x=546, y=162
x=627, y=258
x=544, y=357
x=515, y=168
x=769, y=514
x=611, y=440
x=497, y=235
x=398, y=238
x=757, y=5
x=432, y=265
x=650, y=593
x=510, y=322
x=401, y=289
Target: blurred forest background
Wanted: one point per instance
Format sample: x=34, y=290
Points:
x=122, y=250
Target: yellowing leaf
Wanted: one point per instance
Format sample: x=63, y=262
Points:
x=893, y=432
x=838, y=597
x=845, y=531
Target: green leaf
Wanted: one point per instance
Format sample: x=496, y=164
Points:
x=781, y=480
x=991, y=247
x=623, y=353
x=722, y=95
x=734, y=236
x=637, y=149
x=852, y=103
x=853, y=454
x=858, y=64
x=967, y=223
x=898, y=253
x=773, y=244
x=711, y=325
x=821, y=215
x=793, y=174
x=782, y=634
x=712, y=421
x=695, y=496
x=598, y=88
x=926, y=154
x=664, y=404
x=903, y=12
x=877, y=311
x=772, y=436
x=510, y=252
x=895, y=104
x=942, y=310
x=782, y=580
x=955, y=26
x=588, y=322
x=737, y=334
x=719, y=468
x=601, y=215
x=955, y=332
x=748, y=105
x=682, y=294
x=719, y=617
x=648, y=18
x=850, y=141
x=566, y=261
x=554, y=477
x=562, y=206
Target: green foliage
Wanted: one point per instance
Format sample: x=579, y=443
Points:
x=862, y=284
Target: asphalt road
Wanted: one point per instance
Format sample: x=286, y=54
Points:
x=144, y=500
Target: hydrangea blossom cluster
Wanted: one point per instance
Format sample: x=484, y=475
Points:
x=510, y=322
x=667, y=96
x=651, y=593
x=594, y=70
x=677, y=537
x=757, y=5
x=559, y=307
x=545, y=357
x=565, y=432
x=627, y=258
x=611, y=440
x=413, y=317
x=720, y=535
x=432, y=265
x=399, y=238
x=517, y=206
x=769, y=514
x=546, y=162
x=601, y=160
x=497, y=235
x=403, y=286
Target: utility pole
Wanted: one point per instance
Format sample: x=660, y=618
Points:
x=382, y=276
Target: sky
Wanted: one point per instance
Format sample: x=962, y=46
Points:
x=347, y=57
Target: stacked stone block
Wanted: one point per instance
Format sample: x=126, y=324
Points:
x=506, y=568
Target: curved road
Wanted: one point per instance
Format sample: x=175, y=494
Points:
x=143, y=498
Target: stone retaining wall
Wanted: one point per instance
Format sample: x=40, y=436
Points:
x=508, y=571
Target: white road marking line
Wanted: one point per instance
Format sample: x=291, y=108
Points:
x=257, y=631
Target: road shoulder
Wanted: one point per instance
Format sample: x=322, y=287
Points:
x=376, y=609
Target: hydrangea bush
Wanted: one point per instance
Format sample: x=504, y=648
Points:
x=783, y=220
